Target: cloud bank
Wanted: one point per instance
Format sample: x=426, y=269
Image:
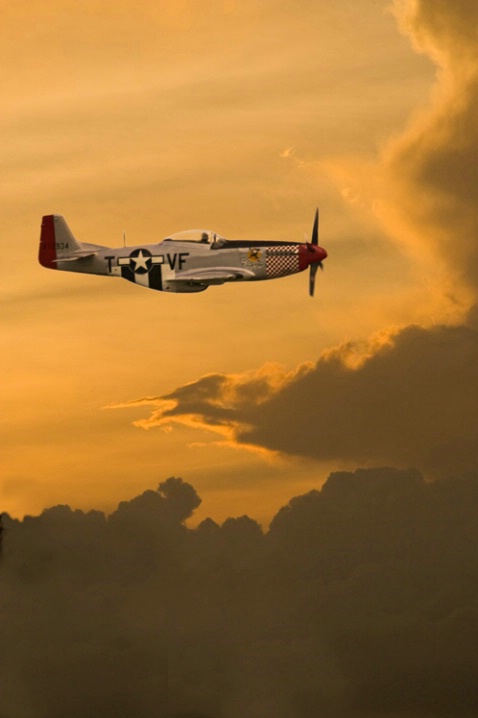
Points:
x=359, y=600
x=413, y=401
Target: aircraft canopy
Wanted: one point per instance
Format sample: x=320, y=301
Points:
x=197, y=235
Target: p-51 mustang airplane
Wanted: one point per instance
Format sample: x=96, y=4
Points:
x=189, y=261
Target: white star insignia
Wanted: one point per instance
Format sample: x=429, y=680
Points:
x=141, y=262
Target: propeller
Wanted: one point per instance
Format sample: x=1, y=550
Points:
x=315, y=229
x=312, y=273
x=314, y=243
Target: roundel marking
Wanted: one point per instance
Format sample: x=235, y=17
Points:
x=142, y=260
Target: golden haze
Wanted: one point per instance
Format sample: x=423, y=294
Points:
x=156, y=117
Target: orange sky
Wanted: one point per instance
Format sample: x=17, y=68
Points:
x=156, y=117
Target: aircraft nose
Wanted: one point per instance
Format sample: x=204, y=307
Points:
x=310, y=254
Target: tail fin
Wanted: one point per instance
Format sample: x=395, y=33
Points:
x=56, y=241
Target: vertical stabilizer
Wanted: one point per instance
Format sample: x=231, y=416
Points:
x=56, y=241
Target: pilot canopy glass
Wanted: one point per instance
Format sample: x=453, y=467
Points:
x=203, y=236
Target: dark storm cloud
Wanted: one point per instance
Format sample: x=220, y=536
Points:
x=412, y=402
x=360, y=600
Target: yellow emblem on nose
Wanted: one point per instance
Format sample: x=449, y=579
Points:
x=254, y=255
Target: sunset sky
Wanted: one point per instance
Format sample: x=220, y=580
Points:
x=244, y=502
x=241, y=117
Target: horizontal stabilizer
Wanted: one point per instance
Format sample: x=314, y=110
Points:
x=75, y=256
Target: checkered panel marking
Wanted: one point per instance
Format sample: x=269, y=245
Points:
x=280, y=262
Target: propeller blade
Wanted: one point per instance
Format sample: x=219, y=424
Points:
x=315, y=229
x=313, y=272
x=311, y=246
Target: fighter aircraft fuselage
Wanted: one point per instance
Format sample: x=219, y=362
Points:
x=187, y=262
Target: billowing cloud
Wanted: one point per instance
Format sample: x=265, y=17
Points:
x=413, y=401
x=357, y=601
x=218, y=402
x=428, y=194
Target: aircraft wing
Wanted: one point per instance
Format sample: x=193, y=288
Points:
x=206, y=277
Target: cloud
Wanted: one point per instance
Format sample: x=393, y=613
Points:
x=357, y=601
x=217, y=402
x=428, y=193
x=412, y=400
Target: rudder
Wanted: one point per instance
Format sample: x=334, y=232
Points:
x=56, y=240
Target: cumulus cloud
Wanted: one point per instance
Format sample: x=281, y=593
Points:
x=411, y=401
x=217, y=402
x=429, y=178
x=357, y=601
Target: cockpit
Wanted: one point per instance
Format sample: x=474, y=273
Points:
x=201, y=236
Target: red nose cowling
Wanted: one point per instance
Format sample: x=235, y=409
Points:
x=310, y=254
